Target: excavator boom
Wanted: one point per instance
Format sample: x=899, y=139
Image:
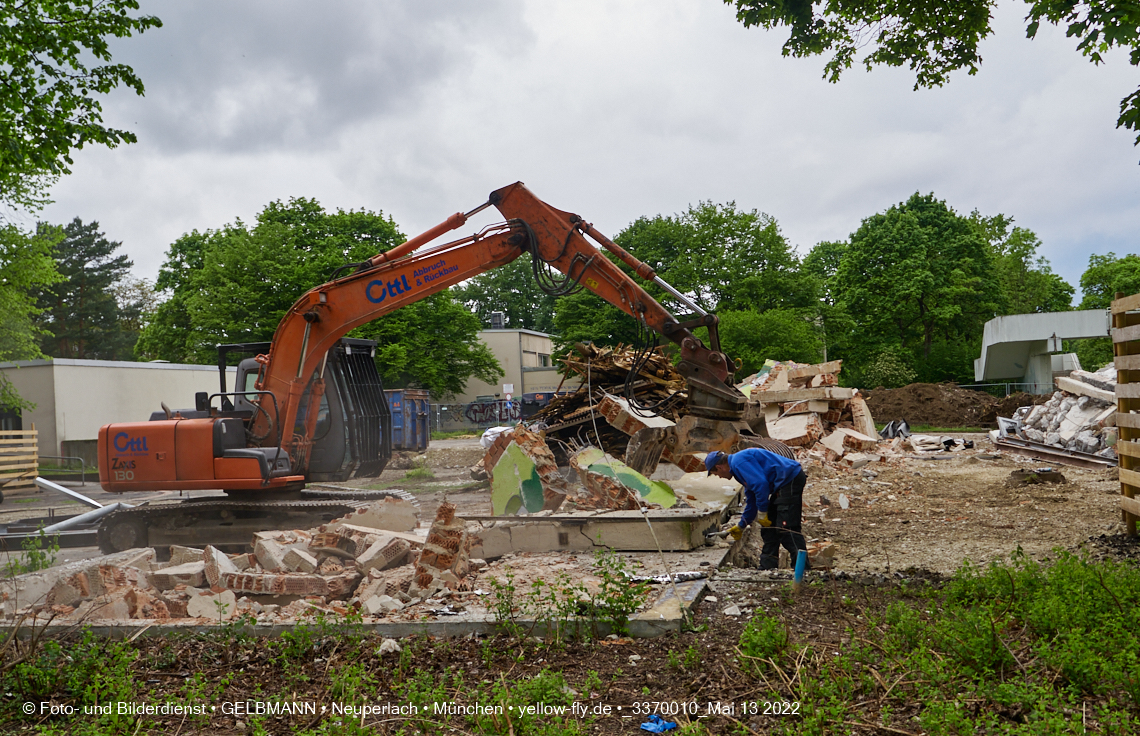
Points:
x=268, y=446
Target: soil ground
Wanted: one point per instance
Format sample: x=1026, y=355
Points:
x=945, y=405
x=925, y=513
x=913, y=522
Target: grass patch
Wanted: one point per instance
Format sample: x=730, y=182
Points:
x=420, y=470
x=931, y=429
x=459, y=434
x=1014, y=649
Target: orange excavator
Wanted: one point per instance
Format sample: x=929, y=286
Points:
x=310, y=408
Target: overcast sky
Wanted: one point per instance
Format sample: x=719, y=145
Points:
x=613, y=110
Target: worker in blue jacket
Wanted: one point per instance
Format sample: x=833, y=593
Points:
x=774, y=491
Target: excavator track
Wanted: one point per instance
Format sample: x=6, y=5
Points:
x=224, y=524
x=329, y=492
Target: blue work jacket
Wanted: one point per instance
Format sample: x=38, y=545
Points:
x=761, y=473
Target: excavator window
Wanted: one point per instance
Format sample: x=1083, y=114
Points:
x=324, y=419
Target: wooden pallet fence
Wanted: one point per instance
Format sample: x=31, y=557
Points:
x=19, y=458
x=1126, y=349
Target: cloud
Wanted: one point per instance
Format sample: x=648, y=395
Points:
x=611, y=110
x=260, y=75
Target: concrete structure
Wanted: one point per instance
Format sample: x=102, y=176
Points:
x=74, y=398
x=525, y=356
x=1018, y=346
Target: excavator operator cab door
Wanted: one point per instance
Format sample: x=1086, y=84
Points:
x=246, y=377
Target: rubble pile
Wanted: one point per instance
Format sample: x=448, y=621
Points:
x=526, y=479
x=603, y=371
x=803, y=406
x=340, y=565
x=1081, y=417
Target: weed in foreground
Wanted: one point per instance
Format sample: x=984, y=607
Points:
x=1014, y=648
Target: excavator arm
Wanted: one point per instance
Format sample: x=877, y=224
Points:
x=292, y=373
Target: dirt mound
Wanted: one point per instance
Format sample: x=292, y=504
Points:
x=938, y=404
x=1007, y=406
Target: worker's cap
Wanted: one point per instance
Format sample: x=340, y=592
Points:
x=713, y=459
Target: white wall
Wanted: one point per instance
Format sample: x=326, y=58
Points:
x=76, y=397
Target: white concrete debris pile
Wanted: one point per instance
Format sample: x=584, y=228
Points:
x=804, y=407
x=1079, y=418
x=362, y=561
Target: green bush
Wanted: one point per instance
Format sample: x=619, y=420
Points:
x=889, y=370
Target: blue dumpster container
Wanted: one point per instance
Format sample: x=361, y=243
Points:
x=410, y=419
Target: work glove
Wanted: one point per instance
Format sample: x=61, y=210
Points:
x=736, y=532
x=763, y=520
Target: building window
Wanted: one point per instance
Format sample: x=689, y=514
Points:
x=543, y=360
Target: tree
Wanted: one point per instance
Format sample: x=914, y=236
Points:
x=937, y=38
x=915, y=277
x=169, y=335
x=777, y=334
x=1027, y=282
x=1105, y=276
x=235, y=284
x=79, y=314
x=722, y=258
x=512, y=290
x=49, y=88
x=26, y=264
x=137, y=302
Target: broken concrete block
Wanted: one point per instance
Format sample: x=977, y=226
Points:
x=340, y=586
x=798, y=430
x=478, y=472
x=1081, y=388
x=243, y=561
x=387, y=514
x=395, y=582
x=190, y=573
x=861, y=417
x=380, y=605
x=217, y=606
x=384, y=554
x=144, y=605
x=99, y=579
x=64, y=594
x=180, y=555
x=111, y=606
x=298, y=560
x=217, y=563
x=857, y=440
x=823, y=380
x=834, y=445
x=809, y=371
x=812, y=406
x=270, y=555
x=270, y=584
x=446, y=550
x=855, y=460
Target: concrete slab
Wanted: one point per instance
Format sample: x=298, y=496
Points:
x=676, y=530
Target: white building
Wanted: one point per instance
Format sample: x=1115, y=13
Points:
x=73, y=398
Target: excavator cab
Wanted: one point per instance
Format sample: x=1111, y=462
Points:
x=353, y=436
x=213, y=446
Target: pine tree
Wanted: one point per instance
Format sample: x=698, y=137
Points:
x=81, y=313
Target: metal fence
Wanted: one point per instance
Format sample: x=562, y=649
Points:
x=478, y=415
x=1005, y=389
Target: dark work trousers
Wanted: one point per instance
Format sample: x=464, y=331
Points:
x=785, y=510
